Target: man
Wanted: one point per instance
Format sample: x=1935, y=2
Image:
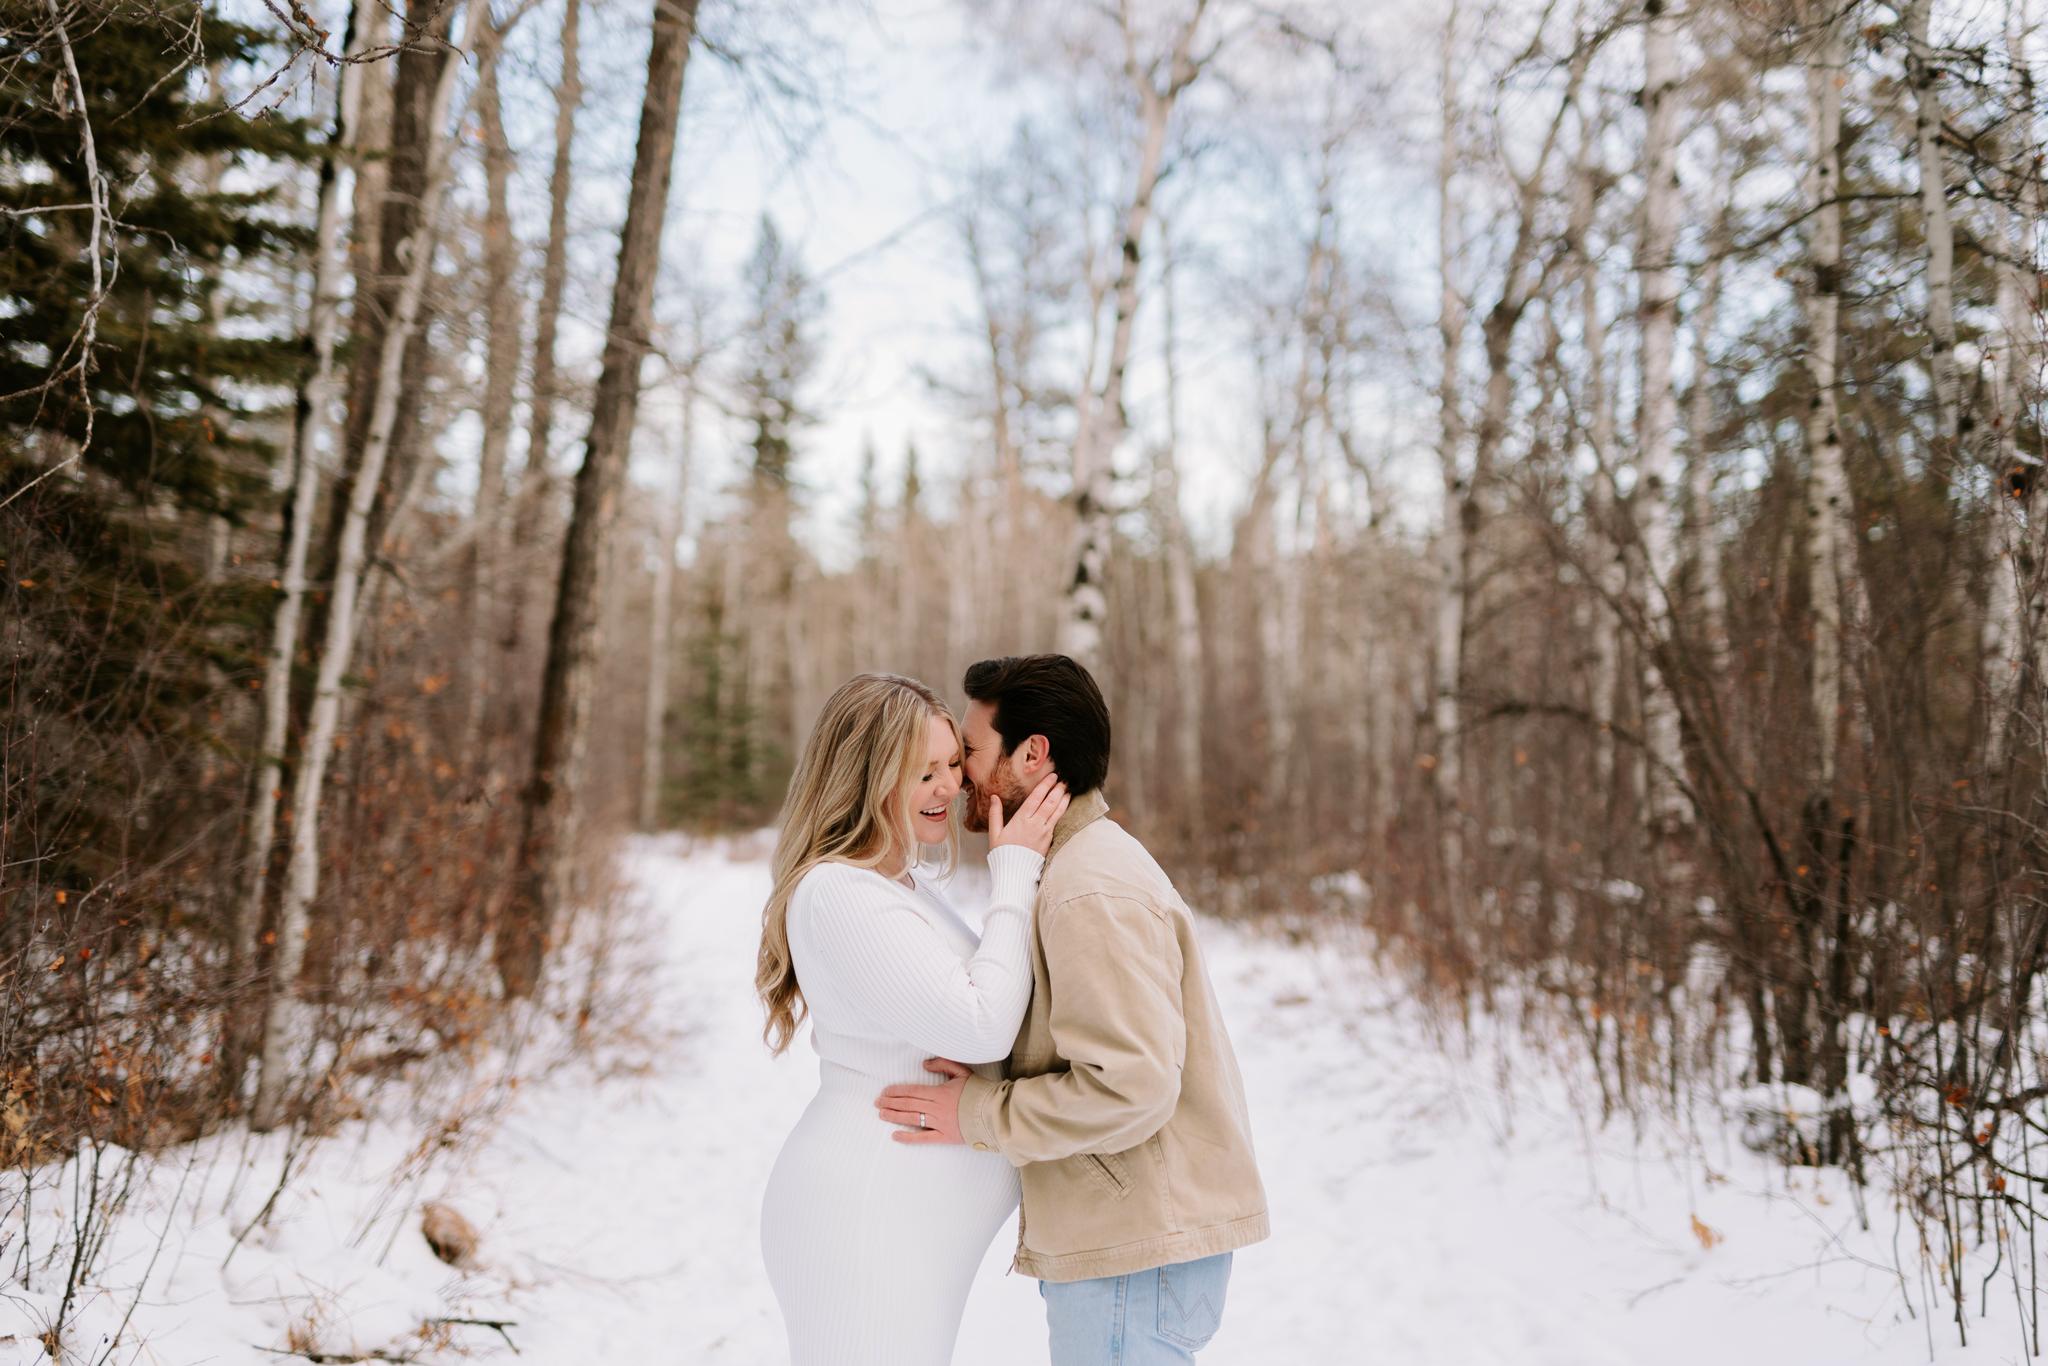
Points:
x=1123, y=1106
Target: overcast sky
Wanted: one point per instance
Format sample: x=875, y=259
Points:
x=898, y=98
x=911, y=96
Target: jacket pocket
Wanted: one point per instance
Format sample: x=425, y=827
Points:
x=1109, y=1172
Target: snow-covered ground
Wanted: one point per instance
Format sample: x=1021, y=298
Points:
x=1423, y=1212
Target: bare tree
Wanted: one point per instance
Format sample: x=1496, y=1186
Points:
x=314, y=420
x=1159, y=81
x=502, y=309
x=1702, y=532
x=1834, y=582
x=1448, y=638
x=1923, y=72
x=302, y=875
x=536, y=480
x=1179, y=554
x=1666, y=808
x=549, y=801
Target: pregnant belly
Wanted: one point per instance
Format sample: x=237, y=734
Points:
x=848, y=1201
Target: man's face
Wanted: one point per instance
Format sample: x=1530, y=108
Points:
x=988, y=769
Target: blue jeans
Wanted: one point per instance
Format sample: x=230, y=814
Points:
x=1160, y=1317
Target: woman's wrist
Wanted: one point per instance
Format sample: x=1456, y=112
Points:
x=1013, y=874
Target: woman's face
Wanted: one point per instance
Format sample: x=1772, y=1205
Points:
x=931, y=800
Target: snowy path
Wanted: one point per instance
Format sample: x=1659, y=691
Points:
x=1420, y=1218
x=1411, y=1224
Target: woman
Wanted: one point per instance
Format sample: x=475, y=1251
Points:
x=871, y=1245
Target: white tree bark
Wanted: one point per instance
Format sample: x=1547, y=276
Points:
x=1657, y=408
x=1923, y=72
x=302, y=876
x=330, y=272
x=1103, y=420
x=2015, y=622
x=1833, y=583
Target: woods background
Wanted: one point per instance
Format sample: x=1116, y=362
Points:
x=1548, y=491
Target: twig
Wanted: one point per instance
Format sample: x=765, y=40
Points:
x=87, y=335
x=497, y=1325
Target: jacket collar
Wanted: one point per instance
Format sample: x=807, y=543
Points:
x=1082, y=811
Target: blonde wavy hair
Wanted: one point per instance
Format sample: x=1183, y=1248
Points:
x=848, y=801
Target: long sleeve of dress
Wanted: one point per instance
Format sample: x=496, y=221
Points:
x=887, y=961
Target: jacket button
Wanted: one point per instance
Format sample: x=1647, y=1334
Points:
x=981, y=1147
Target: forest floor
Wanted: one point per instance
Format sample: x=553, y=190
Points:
x=1429, y=1204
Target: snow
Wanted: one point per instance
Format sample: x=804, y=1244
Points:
x=1434, y=1200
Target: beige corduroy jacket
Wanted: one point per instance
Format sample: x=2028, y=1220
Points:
x=1123, y=1107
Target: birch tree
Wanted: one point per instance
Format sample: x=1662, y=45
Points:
x=1833, y=582
x=1923, y=74
x=1159, y=82
x=2015, y=623
x=309, y=438
x=338, y=645
x=1657, y=408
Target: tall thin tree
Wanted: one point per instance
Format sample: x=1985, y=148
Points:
x=548, y=802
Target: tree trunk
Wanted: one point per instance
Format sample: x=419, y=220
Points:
x=1004, y=423
x=1448, y=637
x=1703, y=535
x=315, y=410
x=1922, y=73
x=501, y=371
x=549, y=805
x=338, y=645
x=536, y=479
x=1182, y=601
x=2014, y=615
x=1104, y=421
x=1608, y=565
x=421, y=69
x=1666, y=809
x=1830, y=514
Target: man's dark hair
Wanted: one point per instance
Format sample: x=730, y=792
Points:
x=1053, y=696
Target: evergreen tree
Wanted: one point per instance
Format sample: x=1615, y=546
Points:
x=777, y=356
x=780, y=355
x=163, y=373
x=114, y=453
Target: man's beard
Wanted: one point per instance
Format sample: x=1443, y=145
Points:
x=1003, y=782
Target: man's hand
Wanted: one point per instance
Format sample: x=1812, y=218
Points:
x=929, y=1114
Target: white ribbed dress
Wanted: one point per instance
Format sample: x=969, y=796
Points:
x=872, y=1245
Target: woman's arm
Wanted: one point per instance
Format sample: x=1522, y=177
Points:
x=885, y=958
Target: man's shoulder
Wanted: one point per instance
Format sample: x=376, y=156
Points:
x=1104, y=859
